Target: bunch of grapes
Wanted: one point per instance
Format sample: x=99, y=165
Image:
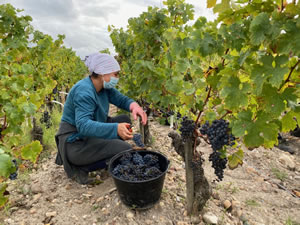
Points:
x=218, y=163
x=46, y=118
x=219, y=135
x=14, y=175
x=54, y=91
x=187, y=128
x=135, y=167
x=137, y=138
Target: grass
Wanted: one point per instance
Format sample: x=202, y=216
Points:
x=252, y=203
x=289, y=221
x=281, y=175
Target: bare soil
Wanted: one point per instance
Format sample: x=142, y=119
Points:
x=264, y=190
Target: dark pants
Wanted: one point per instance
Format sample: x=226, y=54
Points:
x=93, y=153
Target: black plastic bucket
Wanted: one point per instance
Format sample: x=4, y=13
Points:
x=140, y=194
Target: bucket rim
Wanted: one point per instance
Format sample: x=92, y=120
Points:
x=136, y=182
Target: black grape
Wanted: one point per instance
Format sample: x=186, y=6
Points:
x=219, y=135
x=137, y=138
x=187, y=128
x=135, y=167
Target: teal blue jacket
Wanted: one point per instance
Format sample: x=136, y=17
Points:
x=87, y=110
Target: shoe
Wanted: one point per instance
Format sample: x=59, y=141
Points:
x=82, y=177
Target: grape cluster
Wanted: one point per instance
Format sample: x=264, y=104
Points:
x=54, y=91
x=135, y=167
x=218, y=163
x=14, y=175
x=219, y=135
x=187, y=128
x=137, y=138
x=46, y=118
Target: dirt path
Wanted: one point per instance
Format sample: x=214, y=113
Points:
x=262, y=191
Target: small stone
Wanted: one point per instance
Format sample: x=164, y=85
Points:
x=216, y=195
x=77, y=201
x=287, y=161
x=210, y=218
x=148, y=221
x=100, y=199
x=13, y=209
x=182, y=223
x=9, y=221
x=36, y=197
x=36, y=188
x=237, y=213
x=250, y=170
x=234, y=204
x=26, y=189
x=195, y=219
x=32, y=211
x=87, y=195
x=51, y=214
x=259, y=179
x=129, y=215
x=185, y=213
x=227, y=204
x=68, y=186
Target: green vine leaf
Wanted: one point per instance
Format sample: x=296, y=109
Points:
x=6, y=165
x=236, y=159
x=32, y=151
x=3, y=198
x=259, y=28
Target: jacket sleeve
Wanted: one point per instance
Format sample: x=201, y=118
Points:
x=119, y=100
x=85, y=107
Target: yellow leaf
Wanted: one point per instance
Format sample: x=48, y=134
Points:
x=211, y=3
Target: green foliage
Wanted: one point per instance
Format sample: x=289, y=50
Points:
x=6, y=165
x=32, y=65
x=244, y=65
x=3, y=198
x=31, y=151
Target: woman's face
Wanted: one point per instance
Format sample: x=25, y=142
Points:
x=106, y=77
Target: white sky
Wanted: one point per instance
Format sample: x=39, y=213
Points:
x=85, y=22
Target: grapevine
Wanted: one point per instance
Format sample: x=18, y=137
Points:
x=33, y=66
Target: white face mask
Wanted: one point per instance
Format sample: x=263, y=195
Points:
x=111, y=84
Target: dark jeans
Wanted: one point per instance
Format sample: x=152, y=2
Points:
x=93, y=153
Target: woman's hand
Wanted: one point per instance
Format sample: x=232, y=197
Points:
x=136, y=110
x=124, y=131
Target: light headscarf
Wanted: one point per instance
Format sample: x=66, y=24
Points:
x=101, y=63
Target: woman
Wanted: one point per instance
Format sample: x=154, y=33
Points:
x=87, y=137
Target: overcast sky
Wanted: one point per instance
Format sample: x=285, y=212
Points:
x=85, y=22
